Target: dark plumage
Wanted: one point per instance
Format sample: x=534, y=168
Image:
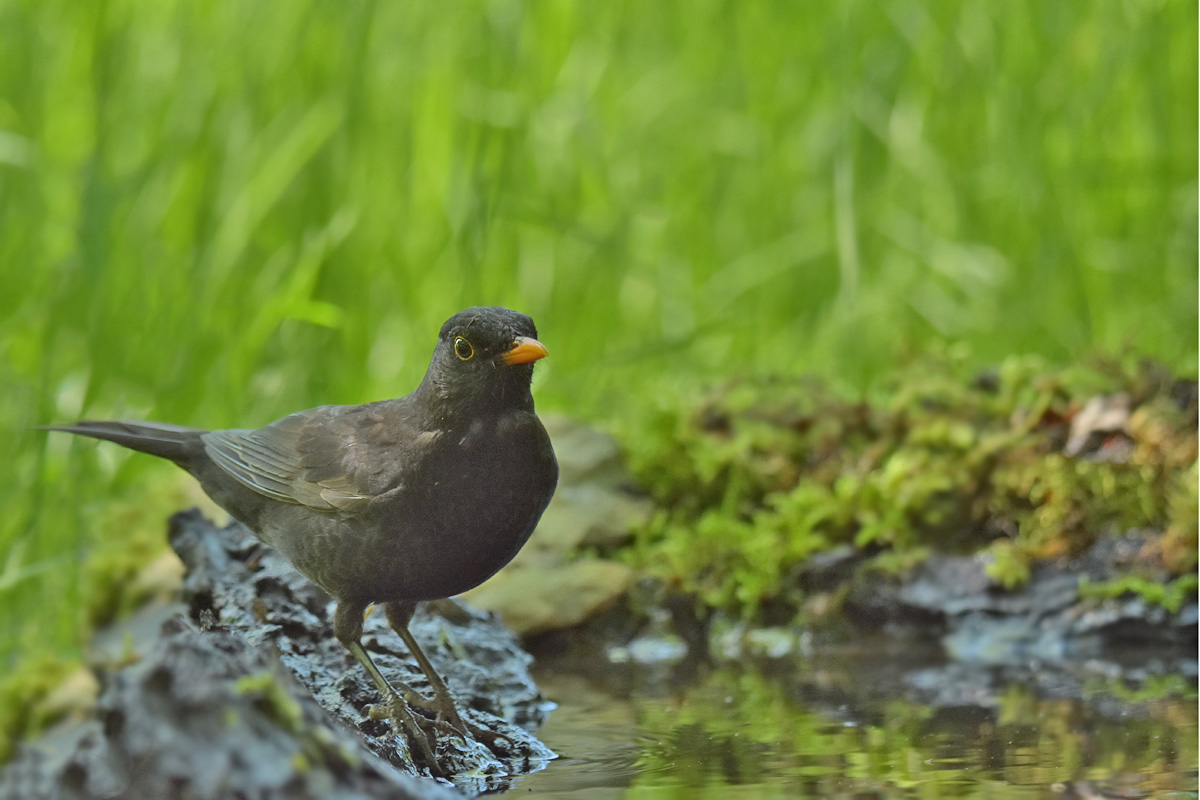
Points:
x=393, y=502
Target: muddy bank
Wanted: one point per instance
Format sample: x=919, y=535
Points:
x=950, y=627
x=242, y=690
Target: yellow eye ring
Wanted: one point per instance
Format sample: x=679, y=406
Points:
x=463, y=349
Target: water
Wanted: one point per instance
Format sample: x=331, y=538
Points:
x=862, y=725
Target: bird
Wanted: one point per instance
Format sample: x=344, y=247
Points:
x=392, y=502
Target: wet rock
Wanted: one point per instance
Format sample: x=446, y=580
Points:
x=248, y=693
x=207, y=715
x=587, y=515
x=663, y=648
x=739, y=641
x=585, y=455
x=534, y=599
x=1048, y=619
x=546, y=588
x=827, y=570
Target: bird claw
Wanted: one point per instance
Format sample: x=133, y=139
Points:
x=452, y=724
x=378, y=712
x=404, y=722
x=469, y=731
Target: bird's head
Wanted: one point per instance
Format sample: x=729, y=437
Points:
x=484, y=361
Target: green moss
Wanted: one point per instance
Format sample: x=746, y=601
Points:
x=317, y=745
x=1169, y=594
x=132, y=532
x=757, y=475
x=272, y=698
x=300, y=763
x=23, y=693
x=1007, y=565
x=897, y=562
x=1179, y=544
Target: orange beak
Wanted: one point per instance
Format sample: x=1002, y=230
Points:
x=524, y=351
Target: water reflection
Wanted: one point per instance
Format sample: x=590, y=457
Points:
x=863, y=726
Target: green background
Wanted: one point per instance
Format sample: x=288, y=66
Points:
x=218, y=213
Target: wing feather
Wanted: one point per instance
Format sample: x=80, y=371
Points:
x=231, y=451
x=314, y=458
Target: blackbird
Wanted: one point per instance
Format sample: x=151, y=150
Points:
x=391, y=502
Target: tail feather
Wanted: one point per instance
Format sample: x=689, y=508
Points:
x=172, y=442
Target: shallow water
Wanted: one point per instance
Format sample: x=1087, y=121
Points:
x=861, y=725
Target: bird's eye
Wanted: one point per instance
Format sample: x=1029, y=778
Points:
x=463, y=349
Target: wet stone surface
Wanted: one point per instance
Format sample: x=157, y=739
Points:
x=247, y=693
x=1048, y=620
x=973, y=637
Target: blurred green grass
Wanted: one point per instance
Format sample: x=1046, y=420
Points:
x=217, y=213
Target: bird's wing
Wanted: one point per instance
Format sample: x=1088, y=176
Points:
x=325, y=458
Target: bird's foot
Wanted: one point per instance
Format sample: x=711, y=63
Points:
x=449, y=716
x=449, y=721
x=404, y=721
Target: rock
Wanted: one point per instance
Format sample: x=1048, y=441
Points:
x=952, y=598
x=586, y=515
x=207, y=715
x=534, y=599
x=733, y=641
x=74, y=697
x=585, y=455
x=649, y=650
x=244, y=691
x=826, y=570
x=161, y=579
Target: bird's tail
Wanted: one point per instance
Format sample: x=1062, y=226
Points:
x=172, y=442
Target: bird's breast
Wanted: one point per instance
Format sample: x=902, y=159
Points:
x=467, y=511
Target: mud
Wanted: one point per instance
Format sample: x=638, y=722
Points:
x=245, y=692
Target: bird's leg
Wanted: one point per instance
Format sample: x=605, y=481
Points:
x=399, y=614
x=347, y=626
